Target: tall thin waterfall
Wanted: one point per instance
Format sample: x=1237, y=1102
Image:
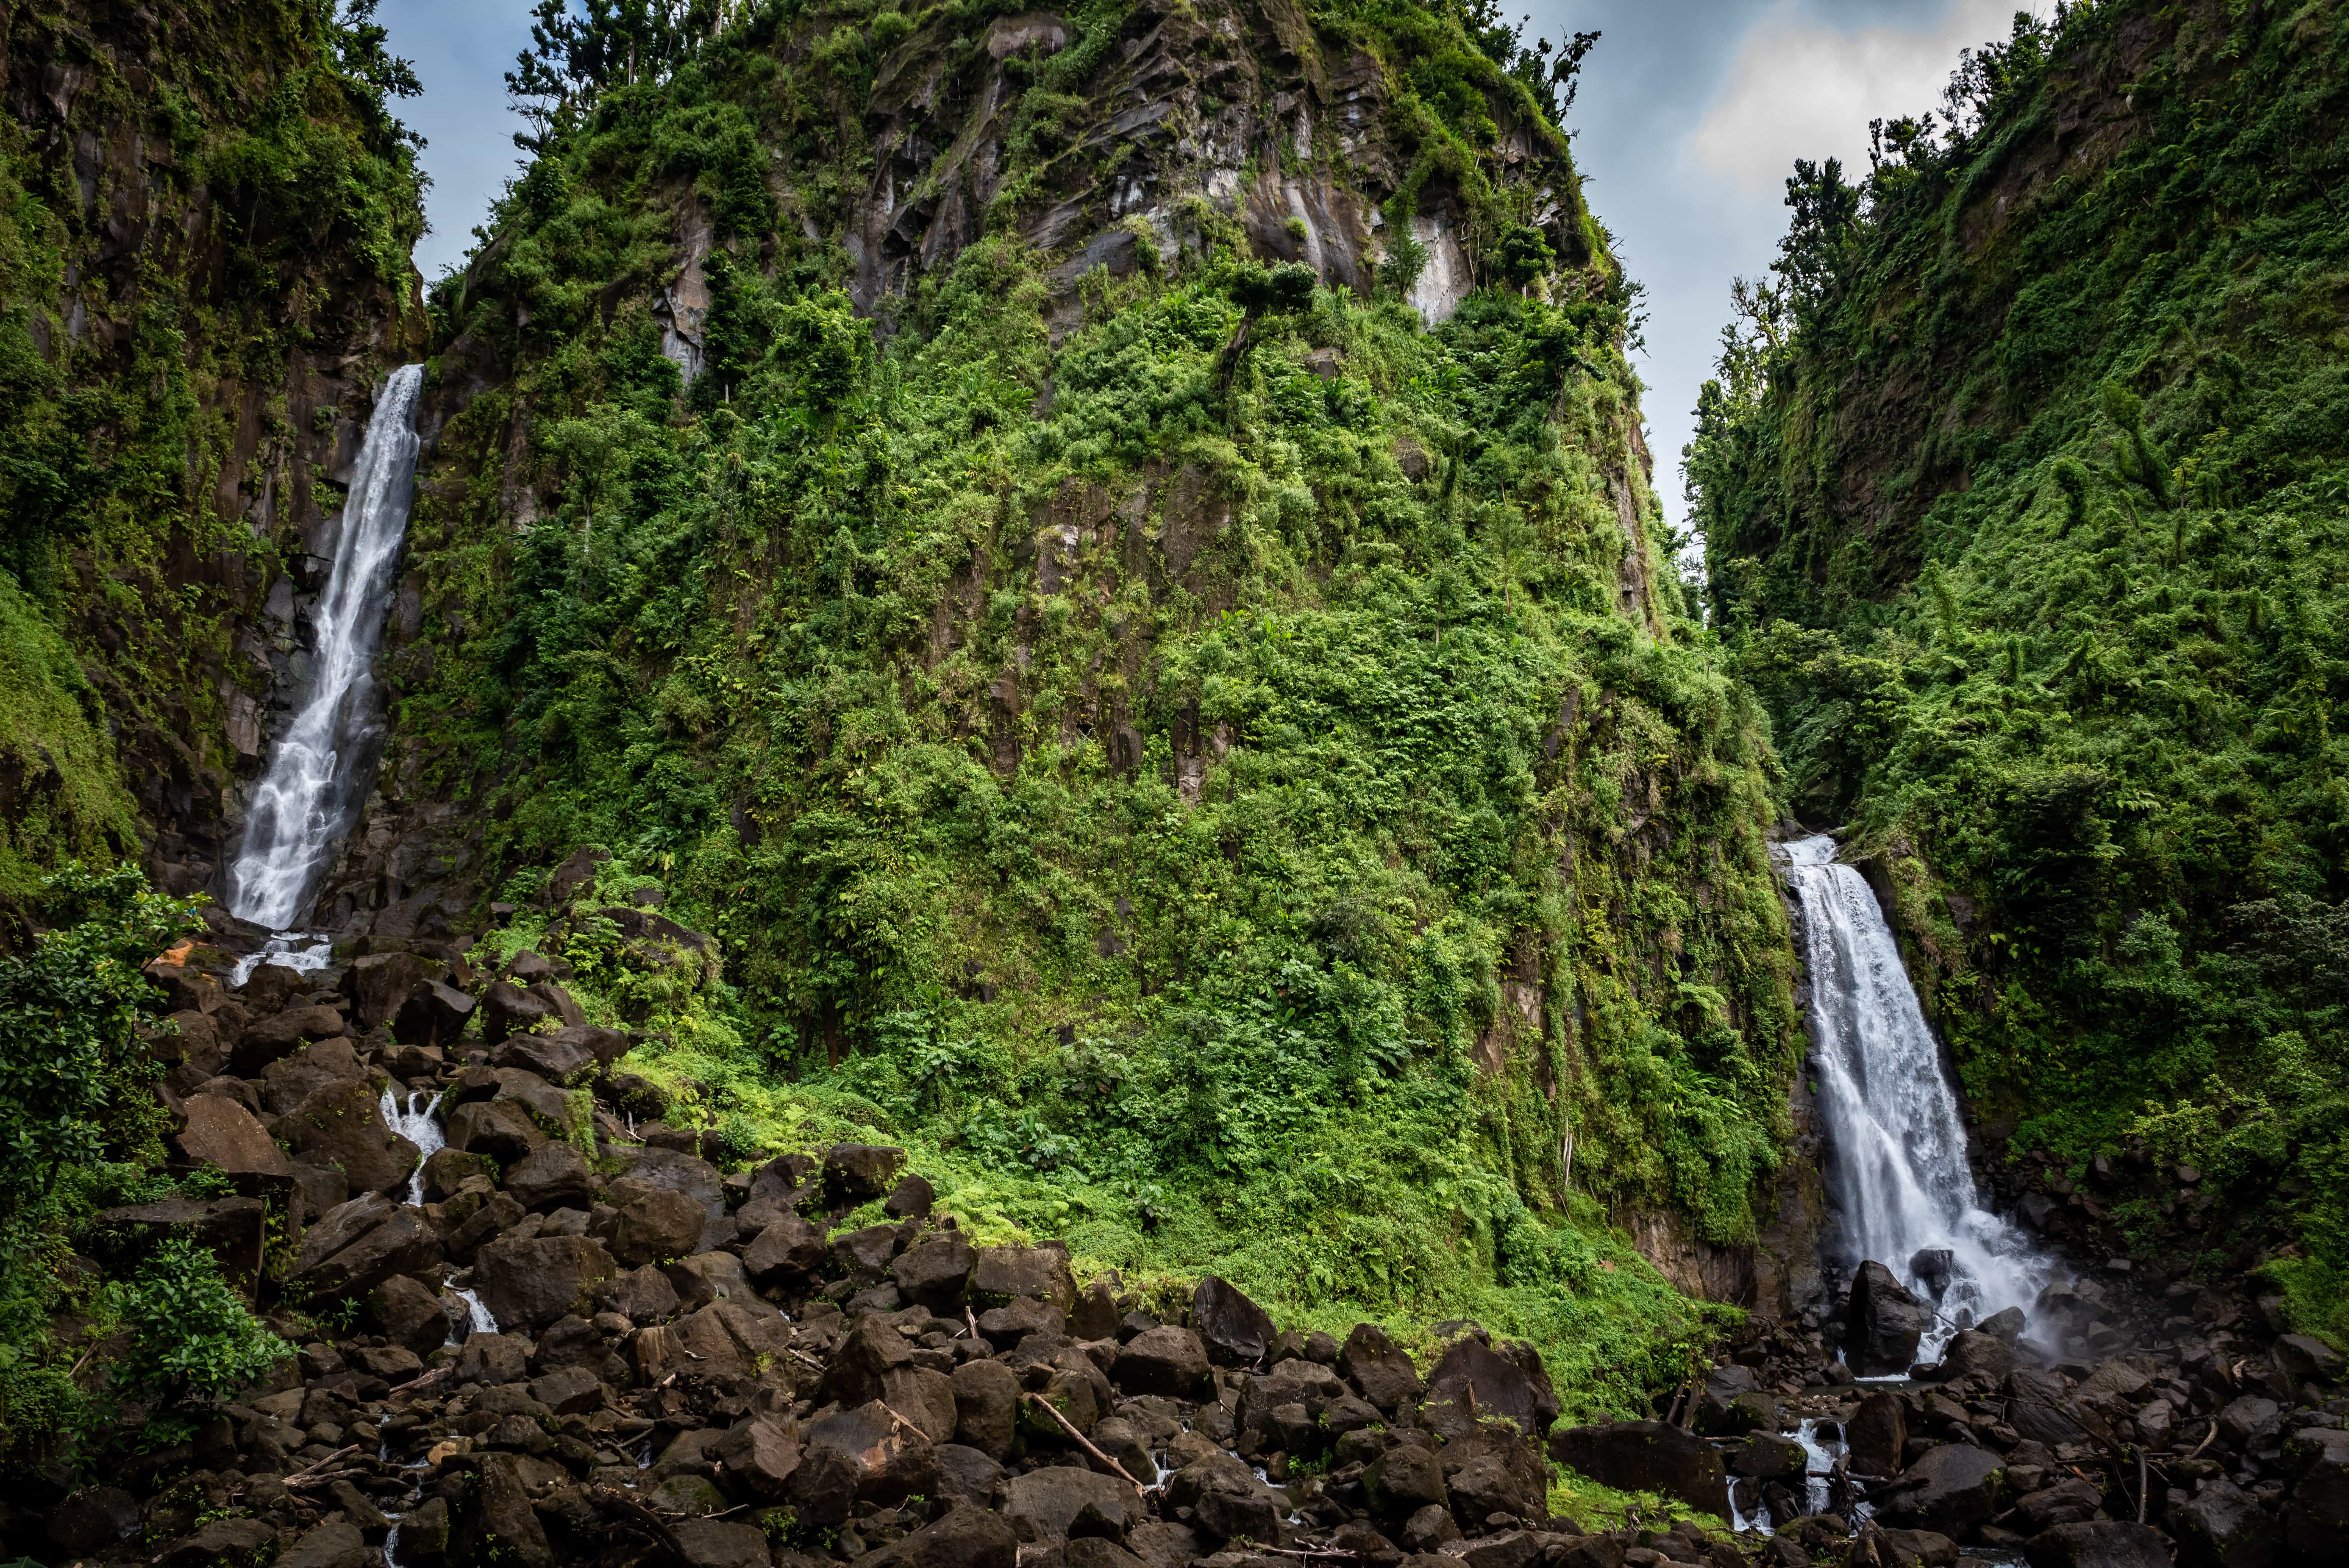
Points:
x=318, y=773
x=1896, y=1147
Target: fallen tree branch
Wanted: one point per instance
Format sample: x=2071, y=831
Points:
x=642, y=1518
x=1084, y=1442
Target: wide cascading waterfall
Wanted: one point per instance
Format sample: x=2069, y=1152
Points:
x=1897, y=1165
x=318, y=773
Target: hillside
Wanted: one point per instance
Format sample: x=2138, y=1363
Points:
x=204, y=228
x=971, y=508
x=2024, y=491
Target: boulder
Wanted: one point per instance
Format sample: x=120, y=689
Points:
x=221, y=1540
x=1882, y=1325
x=2006, y=1324
x=2316, y=1516
x=1404, y=1479
x=966, y=1537
x=342, y=1125
x=446, y=1170
x=530, y=1284
x=887, y=1459
x=2305, y=1356
x=910, y=1199
x=1878, y=1434
x=551, y=1176
x=267, y=1039
x=721, y=1544
x=1226, y=1501
x=496, y=1523
x=408, y=1313
x=1647, y=1456
x=433, y=1014
x=377, y=983
x=1472, y=1372
x=1235, y=1331
x=1001, y=1275
x=335, y=1544
x=1765, y=1456
x=786, y=1253
x=1492, y=1471
x=967, y=1478
x=1005, y=1326
x=2250, y=1420
x=359, y=1245
x=640, y=1295
x=507, y=1010
x=863, y=1255
x=1166, y=1361
x=987, y=1407
x=499, y=1129
x=93, y=1518
x=858, y=1172
x=223, y=1134
x=2097, y=1543
x=872, y=1347
x=759, y=1457
x=289, y=1081
x=933, y=1272
x=1379, y=1368
x=562, y=1058
x=697, y=1178
x=1060, y=1500
x=1973, y=1354
x=652, y=1224
x=1952, y=1488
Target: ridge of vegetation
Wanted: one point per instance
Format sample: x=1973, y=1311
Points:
x=1216, y=767
x=2026, y=511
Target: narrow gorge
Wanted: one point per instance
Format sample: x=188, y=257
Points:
x=974, y=815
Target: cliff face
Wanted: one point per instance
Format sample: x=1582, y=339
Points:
x=2023, y=501
x=972, y=508
x=203, y=255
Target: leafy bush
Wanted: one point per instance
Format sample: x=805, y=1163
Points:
x=192, y=1338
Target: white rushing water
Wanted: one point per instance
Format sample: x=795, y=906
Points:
x=409, y=1113
x=482, y=1322
x=317, y=773
x=1896, y=1147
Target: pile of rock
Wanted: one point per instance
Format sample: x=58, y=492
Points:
x=2220, y=1447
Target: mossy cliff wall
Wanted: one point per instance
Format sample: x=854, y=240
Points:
x=2024, y=499
x=1226, y=771
x=205, y=218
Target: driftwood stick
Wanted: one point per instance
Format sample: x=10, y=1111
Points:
x=644, y=1519
x=1086, y=1443
x=310, y=1469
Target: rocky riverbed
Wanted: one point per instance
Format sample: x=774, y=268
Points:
x=579, y=1339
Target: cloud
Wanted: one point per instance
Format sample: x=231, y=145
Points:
x=1805, y=87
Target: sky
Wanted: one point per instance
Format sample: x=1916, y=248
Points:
x=1691, y=115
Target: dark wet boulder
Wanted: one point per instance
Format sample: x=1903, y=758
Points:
x=858, y=1172
x=934, y=1271
x=788, y=1252
x=1493, y=1471
x=359, y=1244
x=341, y=1124
x=1493, y=1384
x=1165, y=1361
x=1952, y=1488
x=1060, y=1500
x=1381, y=1369
x=1226, y=1501
x=1647, y=1456
x=1882, y=1325
x=497, y=1524
x=433, y=1014
x=1235, y=1331
x=987, y=1407
x=507, y=1010
x=408, y=1313
x=2097, y=1543
x=93, y=1518
x=888, y=1460
x=499, y=1130
x=650, y=1224
x=1973, y=1354
x=1878, y=1434
x=1001, y=1275
x=551, y=1176
x=377, y=983
x=530, y=1284
x=966, y=1537
x=1404, y=1479
x=2316, y=1515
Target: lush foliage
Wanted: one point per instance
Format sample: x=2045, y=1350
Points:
x=78, y=1128
x=1224, y=779
x=2025, y=496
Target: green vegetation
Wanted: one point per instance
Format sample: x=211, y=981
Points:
x=2027, y=512
x=148, y=488
x=78, y=1133
x=1226, y=779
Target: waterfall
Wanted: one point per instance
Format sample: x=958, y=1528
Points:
x=410, y=1115
x=1896, y=1147
x=318, y=774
